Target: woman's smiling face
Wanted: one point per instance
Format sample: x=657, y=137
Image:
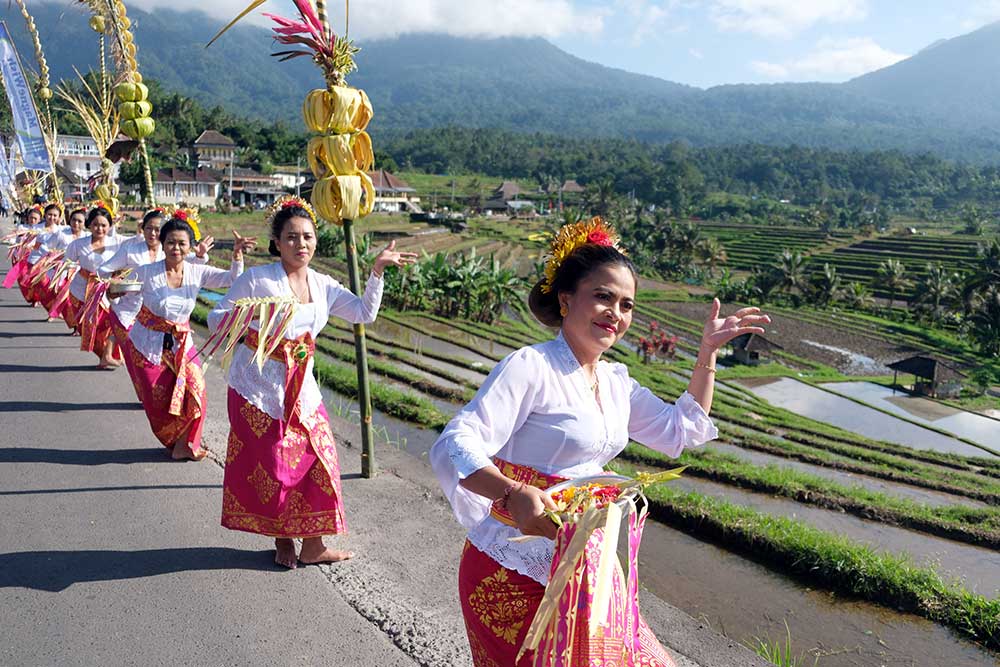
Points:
x=599, y=312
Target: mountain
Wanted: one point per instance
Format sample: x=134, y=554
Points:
x=941, y=100
x=955, y=79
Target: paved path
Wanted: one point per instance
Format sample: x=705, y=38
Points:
x=112, y=554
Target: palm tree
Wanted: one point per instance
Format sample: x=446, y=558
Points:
x=984, y=323
x=826, y=286
x=711, y=253
x=858, y=297
x=987, y=274
x=936, y=291
x=892, y=275
x=791, y=270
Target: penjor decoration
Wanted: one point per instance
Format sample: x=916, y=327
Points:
x=109, y=17
x=339, y=155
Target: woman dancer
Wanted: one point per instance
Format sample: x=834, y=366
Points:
x=90, y=253
x=282, y=475
x=60, y=306
x=52, y=227
x=25, y=232
x=556, y=411
x=164, y=362
x=141, y=250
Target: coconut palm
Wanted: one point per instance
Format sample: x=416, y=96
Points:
x=826, y=286
x=892, y=276
x=710, y=253
x=936, y=291
x=987, y=274
x=857, y=296
x=984, y=323
x=791, y=272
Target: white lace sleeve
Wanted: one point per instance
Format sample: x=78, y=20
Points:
x=348, y=306
x=668, y=428
x=482, y=428
x=242, y=287
x=117, y=262
x=217, y=278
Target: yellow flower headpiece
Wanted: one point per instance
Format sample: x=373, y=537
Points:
x=570, y=237
x=57, y=204
x=111, y=206
x=288, y=201
x=190, y=216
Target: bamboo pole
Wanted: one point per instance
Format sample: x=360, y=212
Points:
x=368, y=468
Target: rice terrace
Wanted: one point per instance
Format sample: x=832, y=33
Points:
x=848, y=514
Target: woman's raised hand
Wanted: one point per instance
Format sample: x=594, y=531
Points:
x=527, y=506
x=389, y=257
x=204, y=246
x=719, y=331
x=241, y=244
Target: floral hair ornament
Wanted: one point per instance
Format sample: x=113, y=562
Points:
x=57, y=204
x=572, y=236
x=190, y=216
x=291, y=201
x=109, y=207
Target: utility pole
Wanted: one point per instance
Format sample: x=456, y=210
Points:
x=298, y=176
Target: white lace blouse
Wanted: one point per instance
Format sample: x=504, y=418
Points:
x=132, y=254
x=46, y=240
x=536, y=408
x=266, y=389
x=80, y=251
x=173, y=304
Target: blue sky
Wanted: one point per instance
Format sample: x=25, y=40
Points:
x=765, y=41
x=697, y=42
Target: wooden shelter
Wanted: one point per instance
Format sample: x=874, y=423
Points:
x=750, y=348
x=931, y=376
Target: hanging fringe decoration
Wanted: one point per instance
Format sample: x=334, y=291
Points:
x=273, y=315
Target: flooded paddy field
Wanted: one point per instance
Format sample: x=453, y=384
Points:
x=823, y=406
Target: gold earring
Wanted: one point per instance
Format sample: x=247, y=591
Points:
x=563, y=311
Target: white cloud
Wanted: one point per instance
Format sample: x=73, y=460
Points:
x=981, y=13
x=783, y=18
x=832, y=60
x=467, y=18
x=697, y=54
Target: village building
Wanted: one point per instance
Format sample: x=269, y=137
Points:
x=77, y=162
x=290, y=177
x=931, y=376
x=751, y=349
x=505, y=200
x=213, y=150
x=200, y=187
x=393, y=194
x=249, y=187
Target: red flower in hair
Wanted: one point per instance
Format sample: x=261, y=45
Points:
x=599, y=237
x=292, y=203
x=181, y=215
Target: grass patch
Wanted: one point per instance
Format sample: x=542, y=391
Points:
x=830, y=561
x=964, y=524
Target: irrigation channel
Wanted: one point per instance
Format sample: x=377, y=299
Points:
x=732, y=593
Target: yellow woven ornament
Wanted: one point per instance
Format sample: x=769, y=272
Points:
x=337, y=198
x=570, y=237
x=337, y=110
x=340, y=154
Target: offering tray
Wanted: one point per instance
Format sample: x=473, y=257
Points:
x=124, y=287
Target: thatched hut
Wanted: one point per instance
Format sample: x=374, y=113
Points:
x=751, y=348
x=931, y=376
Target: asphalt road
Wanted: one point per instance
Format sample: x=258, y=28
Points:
x=112, y=554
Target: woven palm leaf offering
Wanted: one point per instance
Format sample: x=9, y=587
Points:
x=273, y=315
x=586, y=574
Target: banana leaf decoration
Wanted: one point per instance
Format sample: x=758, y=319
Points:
x=43, y=266
x=273, y=315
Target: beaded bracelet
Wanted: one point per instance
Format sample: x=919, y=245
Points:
x=710, y=369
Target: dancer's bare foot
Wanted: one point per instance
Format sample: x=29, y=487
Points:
x=109, y=364
x=182, y=450
x=314, y=551
x=284, y=553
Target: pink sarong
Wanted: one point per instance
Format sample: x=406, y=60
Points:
x=94, y=320
x=173, y=407
x=499, y=605
x=282, y=476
